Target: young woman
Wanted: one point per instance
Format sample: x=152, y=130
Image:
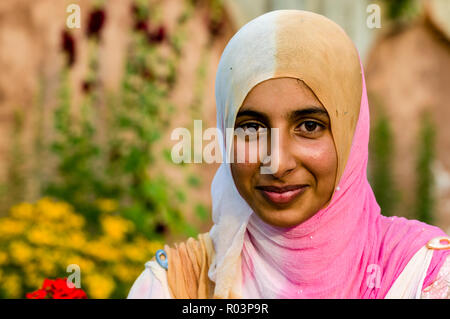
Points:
x=312, y=228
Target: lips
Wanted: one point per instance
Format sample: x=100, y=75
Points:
x=282, y=195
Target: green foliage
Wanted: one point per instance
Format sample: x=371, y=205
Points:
x=381, y=158
x=201, y=211
x=193, y=181
x=425, y=182
x=101, y=158
x=401, y=9
x=15, y=171
x=118, y=166
x=105, y=148
x=13, y=189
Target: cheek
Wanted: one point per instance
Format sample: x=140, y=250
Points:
x=243, y=174
x=246, y=151
x=319, y=157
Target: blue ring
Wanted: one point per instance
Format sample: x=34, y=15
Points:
x=162, y=263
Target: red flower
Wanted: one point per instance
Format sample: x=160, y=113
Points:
x=56, y=289
x=38, y=294
x=69, y=47
x=157, y=36
x=96, y=22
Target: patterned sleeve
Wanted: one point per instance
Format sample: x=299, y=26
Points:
x=440, y=288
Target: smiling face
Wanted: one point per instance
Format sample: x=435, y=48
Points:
x=304, y=181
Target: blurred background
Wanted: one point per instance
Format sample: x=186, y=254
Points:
x=86, y=114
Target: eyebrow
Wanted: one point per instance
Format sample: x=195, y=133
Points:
x=293, y=115
x=308, y=111
x=252, y=113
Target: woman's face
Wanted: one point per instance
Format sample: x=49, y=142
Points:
x=307, y=160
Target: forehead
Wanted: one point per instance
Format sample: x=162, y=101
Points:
x=280, y=95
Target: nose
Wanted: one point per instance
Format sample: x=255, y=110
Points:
x=283, y=152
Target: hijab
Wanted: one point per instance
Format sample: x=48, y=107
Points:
x=340, y=250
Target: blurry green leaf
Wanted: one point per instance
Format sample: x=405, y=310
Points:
x=190, y=230
x=181, y=196
x=201, y=211
x=193, y=181
x=167, y=154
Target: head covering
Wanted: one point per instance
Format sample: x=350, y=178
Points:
x=334, y=253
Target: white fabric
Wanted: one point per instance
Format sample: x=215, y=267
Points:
x=410, y=282
x=151, y=284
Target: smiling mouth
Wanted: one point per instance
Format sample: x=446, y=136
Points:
x=282, y=195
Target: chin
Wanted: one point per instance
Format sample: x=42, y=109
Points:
x=283, y=219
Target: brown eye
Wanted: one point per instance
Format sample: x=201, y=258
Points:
x=251, y=127
x=254, y=126
x=310, y=127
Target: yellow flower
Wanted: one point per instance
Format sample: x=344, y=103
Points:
x=33, y=278
x=135, y=253
x=76, y=221
x=103, y=251
x=115, y=227
x=150, y=247
x=124, y=273
x=22, y=211
x=3, y=258
x=30, y=268
x=36, y=281
x=98, y=286
x=42, y=239
x=107, y=205
x=47, y=208
x=20, y=252
x=48, y=268
x=86, y=265
x=153, y=246
x=12, y=285
x=41, y=236
x=43, y=253
x=10, y=227
x=75, y=240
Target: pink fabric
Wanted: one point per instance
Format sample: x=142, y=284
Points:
x=440, y=257
x=347, y=250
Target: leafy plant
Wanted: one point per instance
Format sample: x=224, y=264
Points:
x=381, y=165
x=398, y=10
x=118, y=164
x=425, y=181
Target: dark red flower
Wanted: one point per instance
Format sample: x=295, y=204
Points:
x=215, y=27
x=157, y=36
x=87, y=86
x=148, y=75
x=96, y=22
x=68, y=47
x=141, y=26
x=160, y=228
